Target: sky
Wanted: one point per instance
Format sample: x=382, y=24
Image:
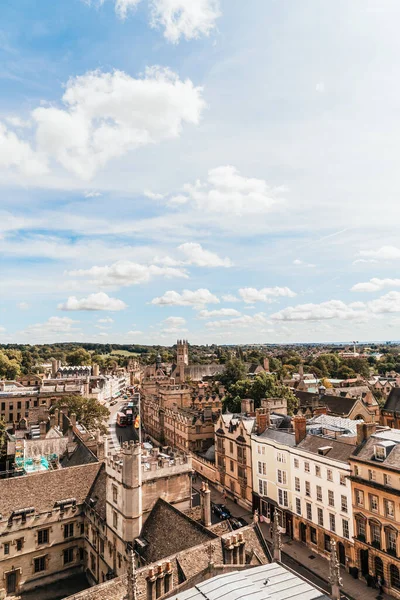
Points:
x=216, y=170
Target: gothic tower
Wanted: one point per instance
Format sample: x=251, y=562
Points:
x=182, y=358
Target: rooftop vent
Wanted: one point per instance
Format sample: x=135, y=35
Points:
x=324, y=450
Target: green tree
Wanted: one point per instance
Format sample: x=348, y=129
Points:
x=9, y=368
x=235, y=370
x=79, y=357
x=3, y=437
x=89, y=412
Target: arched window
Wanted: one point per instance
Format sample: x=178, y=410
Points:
x=394, y=577
x=378, y=567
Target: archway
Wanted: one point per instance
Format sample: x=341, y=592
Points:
x=364, y=562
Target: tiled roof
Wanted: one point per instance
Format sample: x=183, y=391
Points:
x=393, y=402
x=277, y=435
x=339, y=450
x=43, y=490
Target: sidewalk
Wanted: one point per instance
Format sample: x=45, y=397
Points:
x=302, y=555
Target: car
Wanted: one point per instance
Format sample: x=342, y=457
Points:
x=221, y=511
x=237, y=522
x=113, y=402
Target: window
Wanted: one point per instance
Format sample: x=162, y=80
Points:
x=320, y=515
x=373, y=503
x=101, y=547
x=93, y=562
x=68, y=530
x=357, y=471
x=389, y=508
x=361, y=528
x=313, y=535
x=308, y=489
x=387, y=479
x=231, y=465
x=332, y=524
x=19, y=544
x=39, y=563
x=43, y=537
x=307, y=467
x=343, y=503
x=115, y=519
x=391, y=540
x=262, y=487
x=6, y=548
x=342, y=479
x=283, y=497
x=319, y=493
x=345, y=526
x=327, y=542
x=394, y=577
x=380, y=453
x=371, y=475
x=296, y=463
x=329, y=474
x=331, y=498
x=281, y=457
x=359, y=497
x=309, y=511
x=262, y=468
x=298, y=506
x=317, y=471
x=115, y=493
x=375, y=534
x=231, y=447
x=68, y=556
x=282, y=477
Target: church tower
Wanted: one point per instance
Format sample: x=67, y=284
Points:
x=182, y=358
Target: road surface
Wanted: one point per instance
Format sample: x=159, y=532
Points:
x=117, y=435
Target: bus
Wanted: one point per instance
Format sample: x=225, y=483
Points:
x=122, y=421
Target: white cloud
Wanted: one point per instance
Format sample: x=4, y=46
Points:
x=135, y=332
x=222, y=312
x=383, y=253
x=98, y=301
x=198, y=297
x=106, y=320
x=51, y=326
x=153, y=195
x=105, y=115
x=184, y=18
x=332, y=309
x=23, y=305
x=122, y=7
x=175, y=322
x=390, y=303
x=2, y=329
x=125, y=273
x=251, y=295
x=244, y=321
x=18, y=154
x=196, y=255
x=92, y=194
x=301, y=263
x=230, y=298
x=375, y=285
x=320, y=87
x=365, y=261
x=226, y=191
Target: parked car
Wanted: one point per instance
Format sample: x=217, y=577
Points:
x=221, y=511
x=237, y=522
x=113, y=402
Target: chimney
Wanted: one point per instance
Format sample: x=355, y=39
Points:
x=72, y=419
x=300, y=428
x=57, y=416
x=320, y=410
x=262, y=420
x=205, y=502
x=96, y=370
x=43, y=429
x=53, y=421
x=54, y=367
x=247, y=406
x=364, y=431
x=266, y=364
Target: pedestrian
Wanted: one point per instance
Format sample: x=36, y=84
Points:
x=380, y=584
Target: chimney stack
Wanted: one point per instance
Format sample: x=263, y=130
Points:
x=300, y=428
x=96, y=370
x=247, y=406
x=266, y=364
x=43, y=429
x=364, y=431
x=262, y=420
x=320, y=410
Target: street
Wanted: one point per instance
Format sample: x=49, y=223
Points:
x=117, y=435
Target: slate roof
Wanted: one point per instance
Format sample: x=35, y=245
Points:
x=43, y=490
x=277, y=435
x=165, y=518
x=80, y=456
x=282, y=584
x=339, y=405
x=340, y=450
x=393, y=402
x=365, y=452
x=98, y=493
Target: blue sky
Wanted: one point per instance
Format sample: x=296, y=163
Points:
x=217, y=170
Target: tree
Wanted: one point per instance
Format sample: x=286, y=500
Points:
x=79, y=357
x=235, y=370
x=89, y=412
x=3, y=437
x=9, y=368
x=264, y=385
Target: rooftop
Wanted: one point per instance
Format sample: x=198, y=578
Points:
x=267, y=582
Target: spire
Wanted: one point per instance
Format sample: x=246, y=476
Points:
x=276, y=538
x=334, y=573
x=132, y=589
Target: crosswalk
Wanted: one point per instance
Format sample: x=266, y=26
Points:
x=113, y=444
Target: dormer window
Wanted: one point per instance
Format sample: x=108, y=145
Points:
x=380, y=453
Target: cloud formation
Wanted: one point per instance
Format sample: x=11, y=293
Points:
x=189, y=19
x=222, y=312
x=104, y=116
x=196, y=255
x=100, y=301
x=227, y=191
x=251, y=295
x=375, y=285
x=198, y=297
x=383, y=253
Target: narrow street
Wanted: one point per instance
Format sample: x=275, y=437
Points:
x=117, y=435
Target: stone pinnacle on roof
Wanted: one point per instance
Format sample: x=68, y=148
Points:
x=132, y=588
x=334, y=573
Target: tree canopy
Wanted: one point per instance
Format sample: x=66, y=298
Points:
x=89, y=412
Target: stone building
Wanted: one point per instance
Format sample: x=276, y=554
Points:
x=375, y=482
x=390, y=413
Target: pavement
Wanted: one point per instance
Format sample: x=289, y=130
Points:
x=299, y=557
x=117, y=435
